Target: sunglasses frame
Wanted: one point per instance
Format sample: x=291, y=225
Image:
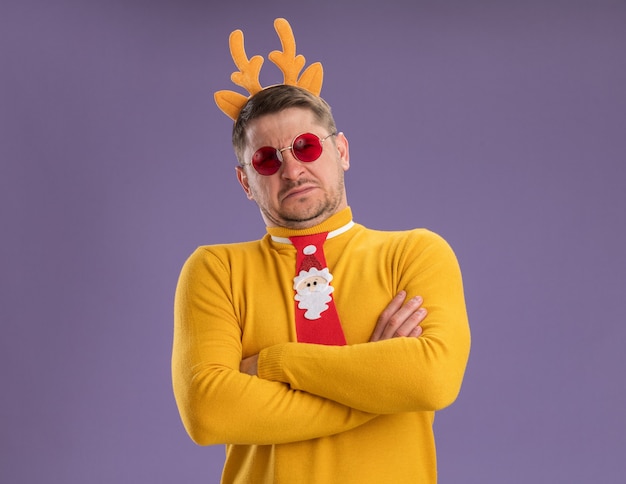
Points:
x=278, y=152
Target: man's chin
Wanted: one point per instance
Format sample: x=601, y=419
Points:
x=302, y=215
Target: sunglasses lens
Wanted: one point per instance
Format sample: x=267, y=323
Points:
x=307, y=147
x=265, y=161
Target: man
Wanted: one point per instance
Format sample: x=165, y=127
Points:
x=335, y=387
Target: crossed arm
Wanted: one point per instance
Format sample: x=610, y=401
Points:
x=219, y=403
x=400, y=318
x=306, y=391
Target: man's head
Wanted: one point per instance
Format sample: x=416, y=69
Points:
x=299, y=194
x=272, y=100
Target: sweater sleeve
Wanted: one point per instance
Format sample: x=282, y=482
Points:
x=217, y=403
x=399, y=374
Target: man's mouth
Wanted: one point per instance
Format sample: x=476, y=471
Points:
x=298, y=191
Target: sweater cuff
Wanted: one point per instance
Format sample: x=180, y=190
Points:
x=270, y=364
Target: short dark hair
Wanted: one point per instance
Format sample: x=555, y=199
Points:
x=274, y=99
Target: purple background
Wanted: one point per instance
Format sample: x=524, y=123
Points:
x=500, y=125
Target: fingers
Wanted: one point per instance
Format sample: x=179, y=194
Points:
x=249, y=365
x=411, y=327
x=387, y=314
x=406, y=320
x=400, y=319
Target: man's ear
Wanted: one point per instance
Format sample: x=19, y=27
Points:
x=344, y=150
x=243, y=181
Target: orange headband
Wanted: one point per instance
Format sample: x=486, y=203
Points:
x=231, y=102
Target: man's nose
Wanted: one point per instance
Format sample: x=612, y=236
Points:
x=291, y=168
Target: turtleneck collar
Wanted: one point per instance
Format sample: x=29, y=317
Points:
x=334, y=225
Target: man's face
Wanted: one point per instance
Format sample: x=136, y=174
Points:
x=299, y=195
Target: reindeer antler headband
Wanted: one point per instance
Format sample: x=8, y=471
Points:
x=231, y=102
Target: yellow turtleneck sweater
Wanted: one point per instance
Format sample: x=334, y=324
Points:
x=360, y=413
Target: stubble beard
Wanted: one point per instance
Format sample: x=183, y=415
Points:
x=306, y=214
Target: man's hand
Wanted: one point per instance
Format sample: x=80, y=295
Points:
x=249, y=365
x=400, y=319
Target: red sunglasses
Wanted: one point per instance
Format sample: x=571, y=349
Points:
x=306, y=147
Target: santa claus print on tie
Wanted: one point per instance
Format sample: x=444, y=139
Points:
x=316, y=316
x=312, y=285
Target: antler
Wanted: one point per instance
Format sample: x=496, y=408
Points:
x=248, y=75
x=231, y=102
x=287, y=60
x=291, y=64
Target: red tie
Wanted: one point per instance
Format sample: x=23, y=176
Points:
x=317, y=320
